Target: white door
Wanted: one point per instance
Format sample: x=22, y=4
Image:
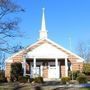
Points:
x=53, y=72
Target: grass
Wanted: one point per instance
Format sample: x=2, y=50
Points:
x=84, y=88
x=28, y=86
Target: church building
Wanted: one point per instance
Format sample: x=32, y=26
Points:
x=45, y=58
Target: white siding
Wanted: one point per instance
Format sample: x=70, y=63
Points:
x=46, y=51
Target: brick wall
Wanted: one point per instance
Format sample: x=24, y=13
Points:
x=71, y=58
x=7, y=71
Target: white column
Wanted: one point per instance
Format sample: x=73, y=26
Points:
x=34, y=66
x=24, y=65
x=41, y=70
x=57, y=70
x=34, y=62
x=66, y=67
x=56, y=62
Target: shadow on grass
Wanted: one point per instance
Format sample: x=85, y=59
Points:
x=37, y=88
x=18, y=87
x=51, y=83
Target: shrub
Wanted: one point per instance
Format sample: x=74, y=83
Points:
x=86, y=68
x=73, y=82
x=88, y=77
x=38, y=80
x=82, y=78
x=31, y=80
x=2, y=76
x=16, y=71
x=65, y=80
x=20, y=78
x=74, y=73
x=24, y=79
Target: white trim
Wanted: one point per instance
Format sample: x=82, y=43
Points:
x=57, y=68
x=66, y=67
x=56, y=62
x=24, y=66
x=34, y=62
x=13, y=55
x=43, y=31
x=25, y=49
x=34, y=67
x=59, y=46
x=9, y=61
x=65, y=49
x=41, y=70
x=79, y=60
x=37, y=43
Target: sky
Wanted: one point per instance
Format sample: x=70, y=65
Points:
x=67, y=21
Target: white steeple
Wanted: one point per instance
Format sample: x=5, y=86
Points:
x=43, y=31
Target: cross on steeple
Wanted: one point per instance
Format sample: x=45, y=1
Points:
x=43, y=31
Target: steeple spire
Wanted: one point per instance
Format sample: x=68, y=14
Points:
x=43, y=31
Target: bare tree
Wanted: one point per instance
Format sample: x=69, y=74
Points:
x=16, y=48
x=84, y=51
x=8, y=27
x=2, y=58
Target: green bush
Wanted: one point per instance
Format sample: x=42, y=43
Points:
x=24, y=79
x=20, y=79
x=38, y=80
x=2, y=76
x=65, y=80
x=82, y=78
x=86, y=68
x=16, y=71
x=73, y=82
x=88, y=77
x=31, y=80
x=73, y=74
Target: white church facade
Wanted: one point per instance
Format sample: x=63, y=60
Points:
x=45, y=58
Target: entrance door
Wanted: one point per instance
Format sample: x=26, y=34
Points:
x=52, y=72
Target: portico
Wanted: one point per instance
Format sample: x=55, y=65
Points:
x=45, y=67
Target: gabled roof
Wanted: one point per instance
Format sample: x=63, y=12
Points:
x=38, y=43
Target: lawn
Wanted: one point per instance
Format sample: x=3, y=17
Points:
x=28, y=86
x=84, y=88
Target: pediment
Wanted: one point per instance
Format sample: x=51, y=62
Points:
x=46, y=50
